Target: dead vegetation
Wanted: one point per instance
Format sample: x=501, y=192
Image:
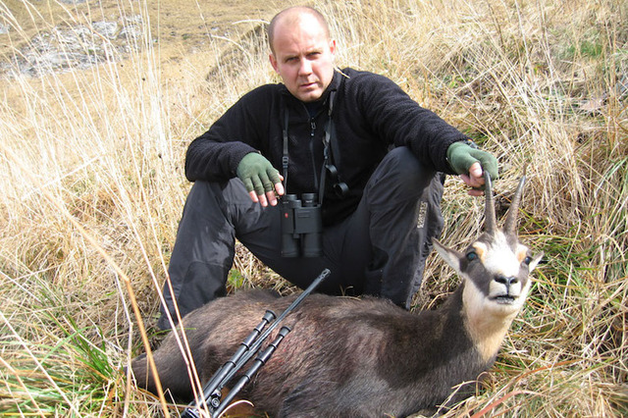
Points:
x=92, y=184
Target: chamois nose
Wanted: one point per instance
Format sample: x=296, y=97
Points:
x=506, y=280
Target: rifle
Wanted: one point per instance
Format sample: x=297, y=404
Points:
x=212, y=391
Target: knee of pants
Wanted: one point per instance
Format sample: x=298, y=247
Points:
x=403, y=171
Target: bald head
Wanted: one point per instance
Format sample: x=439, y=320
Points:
x=302, y=52
x=291, y=17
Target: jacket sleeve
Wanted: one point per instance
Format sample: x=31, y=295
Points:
x=402, y=122
x=215, y=155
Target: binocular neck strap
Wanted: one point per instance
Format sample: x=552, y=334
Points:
x=284, y=158
x=327, y=153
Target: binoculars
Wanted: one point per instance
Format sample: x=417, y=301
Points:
x=301, y=226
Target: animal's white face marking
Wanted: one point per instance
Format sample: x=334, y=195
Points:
x=494, y=305
x=493, y=300
x=504, y=278
x=497, y=276
x=499, y=258
x=487, y=321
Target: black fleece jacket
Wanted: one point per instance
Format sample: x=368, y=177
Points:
x=370, y=113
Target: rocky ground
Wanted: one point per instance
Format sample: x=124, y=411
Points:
x=41, y=37
x=76, y=47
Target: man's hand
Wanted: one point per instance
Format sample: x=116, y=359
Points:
x=260, y=178
x=470, y=162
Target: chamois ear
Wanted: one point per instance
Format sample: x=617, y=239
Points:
x=535, y=261
x=451, y=256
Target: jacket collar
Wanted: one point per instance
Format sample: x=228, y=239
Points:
x=335, y=83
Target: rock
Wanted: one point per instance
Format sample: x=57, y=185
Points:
x=65, y=48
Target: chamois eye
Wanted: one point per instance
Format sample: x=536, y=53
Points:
x=472, y=256
x=527, y=260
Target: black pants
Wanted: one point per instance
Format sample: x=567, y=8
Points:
x=379, y=250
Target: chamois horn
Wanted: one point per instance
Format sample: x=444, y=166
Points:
x=490, y=222
x=511, y=219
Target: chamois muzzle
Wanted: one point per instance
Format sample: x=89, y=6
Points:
x=511, y=290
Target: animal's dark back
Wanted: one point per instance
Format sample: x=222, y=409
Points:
x=365, y=358
x=338, y=349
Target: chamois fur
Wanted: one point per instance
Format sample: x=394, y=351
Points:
x=349, y=357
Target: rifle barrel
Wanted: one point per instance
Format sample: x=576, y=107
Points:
x=246, y=350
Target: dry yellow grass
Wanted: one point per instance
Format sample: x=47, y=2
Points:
x=91, y=181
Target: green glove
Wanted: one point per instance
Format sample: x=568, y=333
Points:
x=257, y=173
x=461, y=157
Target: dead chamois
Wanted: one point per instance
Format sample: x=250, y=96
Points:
x=349, y=357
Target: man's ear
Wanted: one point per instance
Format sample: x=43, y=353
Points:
x=332, y=46
x=273, y=62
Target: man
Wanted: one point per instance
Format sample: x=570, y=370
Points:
x=354, y=138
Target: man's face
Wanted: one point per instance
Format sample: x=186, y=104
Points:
x=304, y=57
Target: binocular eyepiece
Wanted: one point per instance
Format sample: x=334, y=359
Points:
x=340, y=188
x=301, y=226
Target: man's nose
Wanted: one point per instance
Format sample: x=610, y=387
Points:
x=305, y=67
